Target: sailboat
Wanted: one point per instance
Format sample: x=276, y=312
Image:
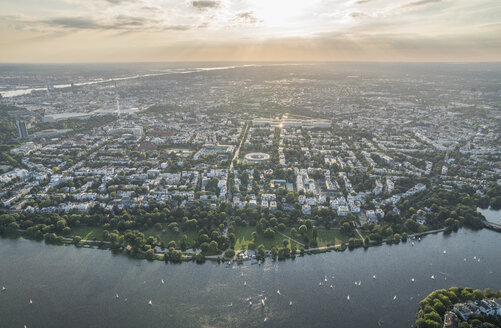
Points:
x=150, y=303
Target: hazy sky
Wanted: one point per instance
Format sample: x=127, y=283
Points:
x=249, y=30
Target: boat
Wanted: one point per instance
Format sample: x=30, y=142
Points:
x=444, y=252
x=348, y=297
x=412, y=279
x=464, y=259
x=163, y=282
x=395, y=297
x=432, y=277
x=331, y=286
x=265, y=319
x=262, y=302
x=419, y=239
x=412, y=243
x=150, y=303
x=117, y=296
x=290, y=303
x=320, y=283
x=373, y=276
x=4, y=289
x=31, y=302
x=250, y=302
x=245, y=283
x=278, y=292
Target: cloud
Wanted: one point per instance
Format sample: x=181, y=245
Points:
x=123, y=23
x=205, y=4
x=246, y=18
x=420, y=3
x=74, y=22
x=117, y=2
x=357, y=14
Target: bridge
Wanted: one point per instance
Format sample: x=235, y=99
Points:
x=492, y=226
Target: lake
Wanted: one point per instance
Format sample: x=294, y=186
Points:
x=491, y=215
x=77, y=287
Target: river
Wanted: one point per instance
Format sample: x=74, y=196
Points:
x=77, y=287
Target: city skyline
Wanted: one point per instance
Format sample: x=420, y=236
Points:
x=210, y=30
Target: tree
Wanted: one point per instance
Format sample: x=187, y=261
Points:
x=269, y=233
x=66, y=231
x=229, y=253
x=204, y=247
x=496, y=203
x=213, y=246
x=150, y=254
x=200, y=258
x=478, y=294
x=315, y=233
x=274, y=252
x=261, y=251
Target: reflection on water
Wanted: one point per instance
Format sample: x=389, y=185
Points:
x=77, y=287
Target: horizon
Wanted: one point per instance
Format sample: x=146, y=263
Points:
x=458, y=62
x=250, y=31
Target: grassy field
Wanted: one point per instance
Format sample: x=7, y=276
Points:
x=87, y=232
x=168, y=236
x=244, y=237
x=330, y=237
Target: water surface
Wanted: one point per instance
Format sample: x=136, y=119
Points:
x=77, y=287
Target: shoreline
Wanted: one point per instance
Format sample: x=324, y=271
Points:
x=186, y=257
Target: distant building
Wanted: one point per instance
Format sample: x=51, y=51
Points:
x=22, y=130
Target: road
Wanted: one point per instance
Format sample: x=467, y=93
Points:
x=237, y=152
x=297, y=242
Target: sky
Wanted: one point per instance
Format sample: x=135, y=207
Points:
x=249, y=30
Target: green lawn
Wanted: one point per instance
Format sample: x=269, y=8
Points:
x=330, y=237
x=87, y=232
x=168, y=236
x=244, y=237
